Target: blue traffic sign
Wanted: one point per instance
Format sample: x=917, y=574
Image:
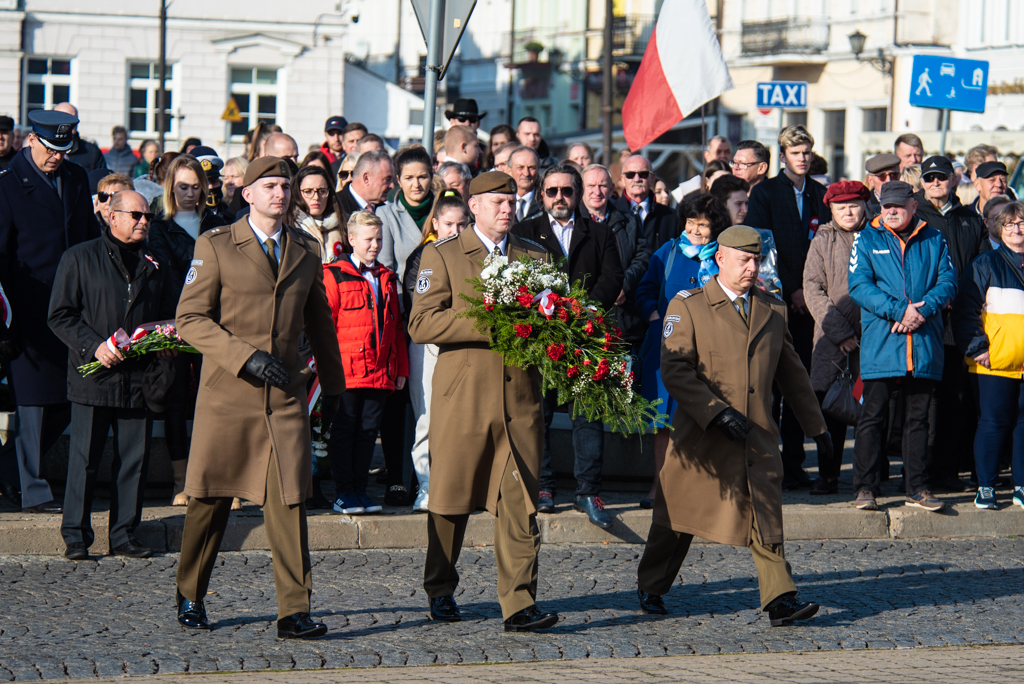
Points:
x=786, y=94
x=948, y=83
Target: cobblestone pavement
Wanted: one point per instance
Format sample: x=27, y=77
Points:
x=108, y=617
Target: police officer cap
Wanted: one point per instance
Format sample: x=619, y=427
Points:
x=743, y=238
x=208, y=159
x=937, y=164
x=896, y=192
x=54, y=129
x=880, y=162
x=266, y=167
x=492, y=181
x=6, y=123
x=990, y=169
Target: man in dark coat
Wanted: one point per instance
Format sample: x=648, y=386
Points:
x=45, y=208
x=659, y=222
x=7, y=150
x=953, y=416
x=87, y=306
x=372, y=179
x=791, y=205
x=589, y=255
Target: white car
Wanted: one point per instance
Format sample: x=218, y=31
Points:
x=947, y=70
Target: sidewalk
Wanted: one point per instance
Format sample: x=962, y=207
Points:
x=994, y=663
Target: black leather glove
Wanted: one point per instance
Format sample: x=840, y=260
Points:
x=269, y=369
x=733, y=424
x=825, y=450
x=329, y=405
x=10, y=348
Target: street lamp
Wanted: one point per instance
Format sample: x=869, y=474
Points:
x=881, y=62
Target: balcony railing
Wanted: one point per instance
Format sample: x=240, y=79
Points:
x=631, y=34
x=802, y=36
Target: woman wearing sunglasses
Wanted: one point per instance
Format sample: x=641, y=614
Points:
x=348, y=163
x=107, y=187
x=172, y=239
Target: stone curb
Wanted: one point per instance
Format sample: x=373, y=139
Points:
x=161, y=528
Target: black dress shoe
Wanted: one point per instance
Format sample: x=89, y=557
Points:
x=797, y=479
x=48, y=507
x=787, y=609
x=11, y=492
x=191, y=614
x=529, y=620
x=647, y=504
x=445, y=609
x=300, y=626
x=76, y=551
x=131, y=549
x=651, y=603
x=823, y=486
x=545, y=503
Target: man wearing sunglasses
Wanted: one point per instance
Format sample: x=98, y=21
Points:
x=659, y=222
x=879, y=170
x=45, y=208
x=465, y=113
x=587, y=252
x=953, y=418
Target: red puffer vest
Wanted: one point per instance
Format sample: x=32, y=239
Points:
x=371, y=338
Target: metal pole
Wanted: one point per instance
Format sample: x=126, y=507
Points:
x=433, y=69
x=161, y=94
x=945, y=129
x=607, y=87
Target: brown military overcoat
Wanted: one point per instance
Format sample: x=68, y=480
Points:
x=232, y=306
x=711, y=486
x=482, y=412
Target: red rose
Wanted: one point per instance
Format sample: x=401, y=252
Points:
x=524, y=299
x=600, y=319
x=589, y=328
x=523, y=330
x=587, y=362
x=573, y=371
x=578, y=352
x=563, y=315
x=555, y=351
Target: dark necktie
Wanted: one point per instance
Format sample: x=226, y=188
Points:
x=497, y=251
x=637, y=208
x=741, y=307
x=271, y=245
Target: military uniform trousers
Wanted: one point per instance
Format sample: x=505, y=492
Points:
x=516, y=544
x=205, y=522
x=666, y=550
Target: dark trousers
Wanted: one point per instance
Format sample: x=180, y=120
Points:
x=1002, y=419
x=867, y=450
x=133, y=433
x=177, y=413
x=353, y=435
x=39, y=427
x=829, y=469
x=954, y=419
x=587, y=445
x=801, y=327
x=392, y=435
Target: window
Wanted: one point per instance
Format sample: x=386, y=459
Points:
x=47, y=83
x=835, y=136
x=143, y=86
x=255, y=93
x=874, y=119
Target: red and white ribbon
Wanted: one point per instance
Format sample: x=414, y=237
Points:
x=314, y=394
x=121, y=340
x=547, y=307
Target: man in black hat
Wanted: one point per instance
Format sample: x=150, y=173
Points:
x=334, y=135
x=464, y=113
x=45, y=208
x=7, y=149
x=880, y=169
x=990, y=179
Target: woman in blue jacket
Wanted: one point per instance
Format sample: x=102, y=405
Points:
x=684, y=263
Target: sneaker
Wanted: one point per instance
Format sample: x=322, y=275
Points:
x=368, y=504
x=1018, y=496
x=865, y=500
x=924, y=499
x=397, y=495
x=349, y=504
x=422, y=499
x=986, y=498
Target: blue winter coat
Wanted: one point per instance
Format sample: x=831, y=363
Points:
x=886, y=275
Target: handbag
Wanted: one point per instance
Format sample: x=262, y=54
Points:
x=839, y=403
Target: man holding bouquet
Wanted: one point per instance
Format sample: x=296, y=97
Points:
x=485, y=416
x=87, y=305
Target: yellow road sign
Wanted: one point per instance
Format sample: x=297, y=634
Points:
x=231, y=112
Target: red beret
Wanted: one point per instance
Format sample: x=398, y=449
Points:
x=846, y=191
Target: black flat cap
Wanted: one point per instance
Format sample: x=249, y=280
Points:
x=6, y=123
x=896, y=192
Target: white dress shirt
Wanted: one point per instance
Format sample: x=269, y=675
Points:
x=490, y=245
x=523, y=204
x=263, y=237
x=733, y=297
x=370, y=278
x=363, y=204
x=563, y=233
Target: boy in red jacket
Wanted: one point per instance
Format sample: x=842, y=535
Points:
x=364, y=299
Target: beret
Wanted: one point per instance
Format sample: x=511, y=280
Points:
x=266, y=167
x=896, y=192
x=881, y=161
x=846, y=191
x=990, y=168
x=743, y=238
x=492, y=181
x=937, y=164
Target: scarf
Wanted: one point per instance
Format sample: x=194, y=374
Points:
x=418, y=212
x=703, y=253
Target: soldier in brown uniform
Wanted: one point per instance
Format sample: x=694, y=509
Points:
x=252, y=289
x=486, y=426
x=723, y=346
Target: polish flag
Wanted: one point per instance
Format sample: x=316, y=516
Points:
x=682, y=68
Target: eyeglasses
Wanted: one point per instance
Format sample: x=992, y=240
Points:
x=1017, y=227
x=552, y=193
x=137, y=215
x=344, y=175
x=633, y=174
x=742, y=165
x=887, y=175
x=54, y=153
x=467, y=119
x=934, y=176
x=317, y=192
